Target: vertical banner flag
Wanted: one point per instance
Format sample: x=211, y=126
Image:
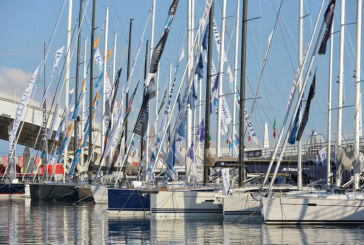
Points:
x=57, y=59
x=292, y=136
x=311, y=94
x=329, y=16
x=323, y=157
x=19, y=114
x=225, y=180
x=274, y=128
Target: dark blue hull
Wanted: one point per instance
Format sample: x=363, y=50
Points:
x=12, y=189
x=128, y=200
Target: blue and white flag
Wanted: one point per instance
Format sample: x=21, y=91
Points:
x=225, y=180
x=57, y=59
x=19, y=113
x=201, y=131
x=323, y=157
x=293, y=134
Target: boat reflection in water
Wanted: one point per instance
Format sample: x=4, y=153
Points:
x=23, y=221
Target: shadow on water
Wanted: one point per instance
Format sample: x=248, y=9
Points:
x=26, y=222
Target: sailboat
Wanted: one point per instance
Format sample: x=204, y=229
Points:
x=335, y=207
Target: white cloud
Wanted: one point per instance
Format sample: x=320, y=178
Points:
x=13, y=77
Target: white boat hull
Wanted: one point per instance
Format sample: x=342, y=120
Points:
x=240, y=205
x=314, y=208
x=184, y=204
x=99, y=193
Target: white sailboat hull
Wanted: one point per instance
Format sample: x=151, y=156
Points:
x=240, y=205
x=182, y=204
x=100, y=194
x=314, y=208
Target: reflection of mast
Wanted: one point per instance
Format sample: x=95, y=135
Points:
x=208, y=94
x=242, y=173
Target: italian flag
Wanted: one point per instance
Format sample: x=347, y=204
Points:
x=274, y=128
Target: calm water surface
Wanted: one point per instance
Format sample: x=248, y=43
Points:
x=26, y=222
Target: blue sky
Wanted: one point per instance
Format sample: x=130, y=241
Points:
x=26, y=24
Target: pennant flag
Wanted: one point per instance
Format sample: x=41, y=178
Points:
x=96, y=43
x=292, y=136
x=199, y=68
x=311, y=94
x=193, y=96
x=329, y=16
x=274, y=128
x=191, y=153
x=182, y=130
x=205, y=38
x=108, y=55
x=142, y=121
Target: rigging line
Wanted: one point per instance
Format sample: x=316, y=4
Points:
x=265, y=59
x=120, y=22
x=288, y=30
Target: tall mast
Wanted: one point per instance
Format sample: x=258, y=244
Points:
x=113, y=80
x=90, y=143
x=357, y=102
x=103, y=126
x=300, y=49
x=236, y=66
x=150, y=58
x=341, y=81
x=221, y=71
x=145, y=76
x=67, y=79
x=242, y=172
x=83, y=111
x=77, y=75
x=127, y=77
x=208, y=94
x=328, y=170
x=190, y=61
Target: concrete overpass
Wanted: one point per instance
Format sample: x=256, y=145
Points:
x=32, y=125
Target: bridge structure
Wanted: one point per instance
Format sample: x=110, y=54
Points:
x=30, y=129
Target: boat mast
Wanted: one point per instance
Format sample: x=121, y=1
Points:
x=150, y=58
x=90, y=143
x=300, y=48
x=75, y=137
x=189, y=128
x=208, y=94
x=242, y=172
x=328, y=170
x=341, y=82
x=235, y=66
x=145, y=76
x=103, y=101
x=221, y=71
x=357, y=102
x=113, y=81
x=83, y=111
x=67, y=79
x=127, y=77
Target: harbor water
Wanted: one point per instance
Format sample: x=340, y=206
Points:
x=25, y=222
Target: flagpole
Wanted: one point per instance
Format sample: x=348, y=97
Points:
x=208, y=94
x=341, y=83
x=67, y=78
x=90, y=128
x=357, y=107
x=300, y=48
x=221, y=71
x=235, y=67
